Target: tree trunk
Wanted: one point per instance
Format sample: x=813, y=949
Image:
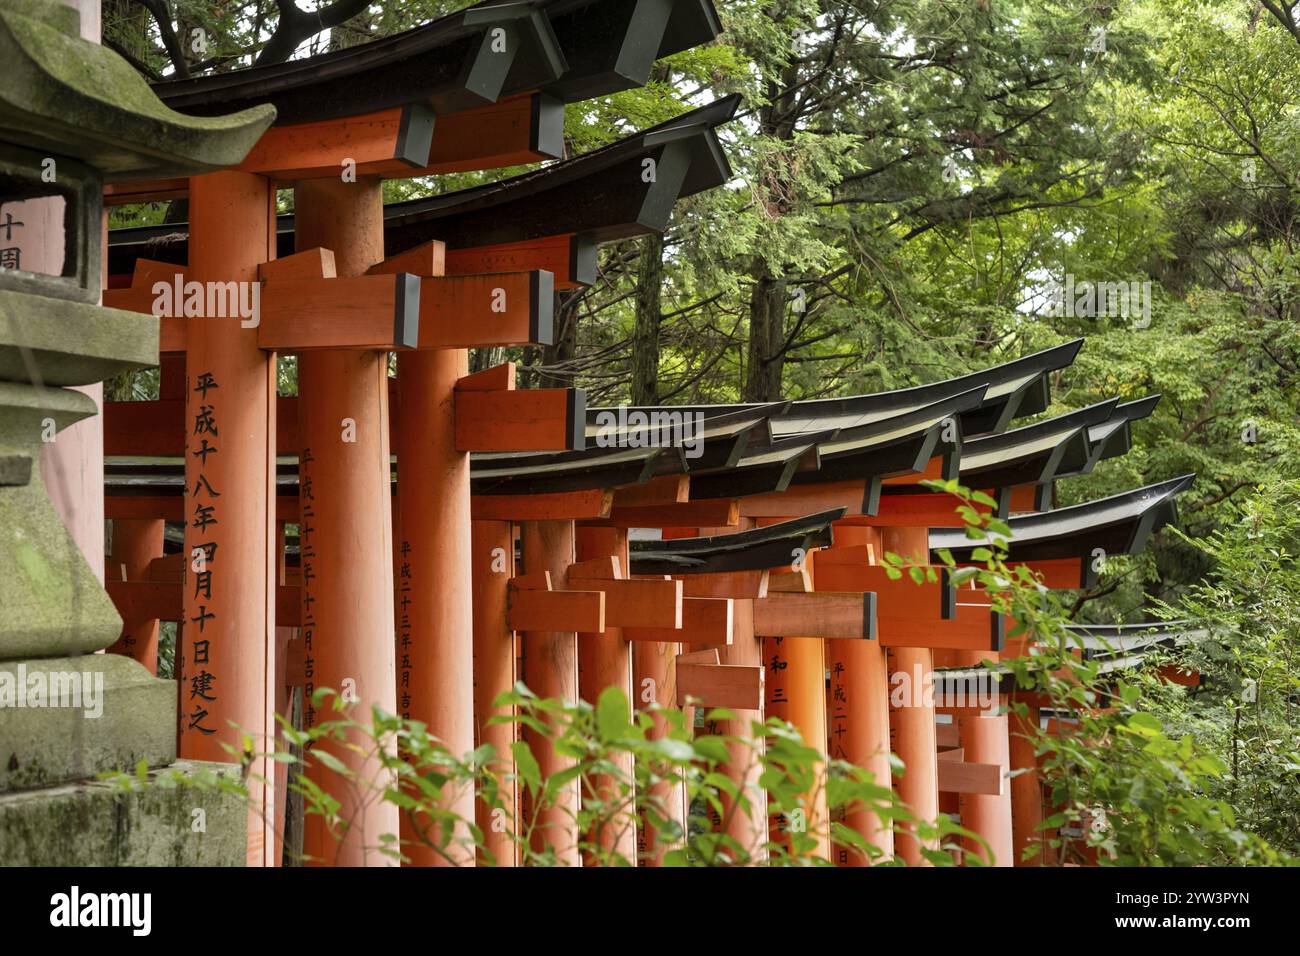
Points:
x=645, y=339
x=766, y=340
x=566, y=341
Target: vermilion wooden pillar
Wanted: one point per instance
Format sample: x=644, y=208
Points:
x=912, y=726
x=345, y=523
x=492, y=565
x=227, y=650
x=984, y=740
x=136, y=542
x=654, y=681
x=551, y=671
x=605, y=660
x=796, y=692
x=747, y=829
x=1026, y=791
x=435, y=622
x=858, y=717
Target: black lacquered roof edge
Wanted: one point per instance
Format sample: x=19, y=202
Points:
x=569, y=49
x=599, y=207
x=1125, y=652
x=456, y=62
x=1119, y=524
x=1014, y=389
x=611, y=193
x=758, y=549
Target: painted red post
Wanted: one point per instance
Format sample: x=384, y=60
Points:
x=345, y=523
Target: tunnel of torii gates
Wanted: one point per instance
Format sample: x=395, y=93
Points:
x=523, y=538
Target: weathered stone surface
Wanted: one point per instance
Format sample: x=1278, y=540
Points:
x=97, y=824
x=78, y=99
x=44, y=746
x=61, y=342
x=51, y=604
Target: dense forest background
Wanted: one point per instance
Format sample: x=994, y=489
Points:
x=911, y=177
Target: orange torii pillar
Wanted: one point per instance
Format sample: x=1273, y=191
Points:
x=912, y=725
x=492, y=560
x=136, y=542
x=984, y=739
x=796, y=692
x=551, y=671
x=435, y=622
x=226, y=653
x=654, y=681
x=1026, y=791
x=605, y=660
x=748, y=829
x=859, y=719
x=345, y=522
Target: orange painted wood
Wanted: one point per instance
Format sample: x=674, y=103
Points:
x=315, y=263
x=706, y=513
x=541, y=581
x=426, y=259
x=946, y=735
x=486, y=137
x=317, y=150
x=749, y=829
x=799, y=582
x=537, y=610
x=707, y=656
x=497, y=378
x=343, y=313
x=1027, y=804
x=607, y=567
x=149, y=271
x=346, y=526
x=912, y=727
x=661, y=490
x=897, y=599
x=987, y=811
x=550, y=670
x=554, y=254
x=435, y=628
x=1023, y=499
x=704, y=621
x=135, y=546
x=919, y=510
x=534, y=419
x=796, y=692
x=638, y=603
x=858, y=729
x=147, y=600
x=726, y=584
x=227, y=644
x=970, y=630
x=605, y=660
x=152, y=429
x=558, y=506
x=933, y=471
x=492, y=562
x=478, y=311
x=806, y=499
x=734, y=686
x=971, y=778
x=821, y=614
x=156, y=190
x=169, y=567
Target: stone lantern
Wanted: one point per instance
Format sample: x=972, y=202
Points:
x=74, y=116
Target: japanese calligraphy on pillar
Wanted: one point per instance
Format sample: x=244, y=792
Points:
x=202, y=506
x=404, y=631
x=307, y=558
